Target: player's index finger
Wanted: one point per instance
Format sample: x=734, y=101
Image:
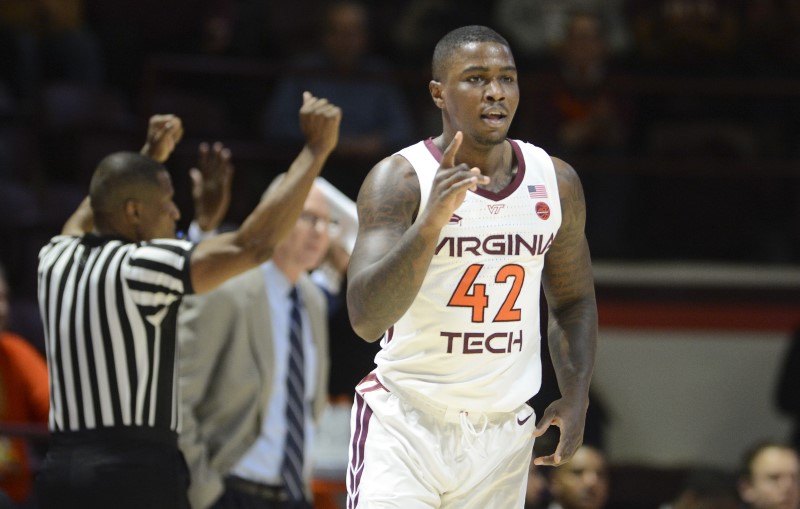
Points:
x=449, y=155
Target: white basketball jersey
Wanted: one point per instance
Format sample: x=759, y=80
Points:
x=471, y=340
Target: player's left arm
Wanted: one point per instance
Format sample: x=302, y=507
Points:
x=569, y=287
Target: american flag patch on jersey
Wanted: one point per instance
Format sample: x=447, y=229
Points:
x=537, y=191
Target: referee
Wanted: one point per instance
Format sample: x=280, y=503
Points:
x=109, y=290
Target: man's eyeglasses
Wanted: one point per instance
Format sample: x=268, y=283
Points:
x=319, y=223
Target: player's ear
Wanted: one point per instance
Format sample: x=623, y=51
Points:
x=435, y=88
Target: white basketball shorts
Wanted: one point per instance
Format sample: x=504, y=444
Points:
x=412, y=454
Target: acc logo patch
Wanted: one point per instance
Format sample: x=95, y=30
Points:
x=543, y=210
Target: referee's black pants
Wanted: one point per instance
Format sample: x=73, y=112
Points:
x=100, y=470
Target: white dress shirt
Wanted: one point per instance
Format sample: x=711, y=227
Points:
x=262, y=462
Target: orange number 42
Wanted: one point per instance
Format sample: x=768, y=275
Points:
x=473, y=295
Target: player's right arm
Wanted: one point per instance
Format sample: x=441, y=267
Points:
x=392, y=250
x=221, y=257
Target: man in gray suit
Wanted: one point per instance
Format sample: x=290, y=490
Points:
x=234, y=368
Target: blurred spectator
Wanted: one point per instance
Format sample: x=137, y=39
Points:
x=684, y=43
x=764, y=38
x=685, y=36
x=243, y=27
x=582, y=114
x=536, y=29
x=5, y=502
x=692, y=38
x=23, y=401
x=791, y=9
x=770, y=477
x=131, y=30
x=787, y=392
x=417, y=25
x=46, y=40
x=581, y=483
x=706, y=488
x=537, y=495
x=375, y=116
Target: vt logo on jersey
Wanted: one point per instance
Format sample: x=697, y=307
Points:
x=496, y=208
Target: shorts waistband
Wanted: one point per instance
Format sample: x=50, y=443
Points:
x=446, y=413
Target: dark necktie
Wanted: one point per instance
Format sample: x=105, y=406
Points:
x=292, y=468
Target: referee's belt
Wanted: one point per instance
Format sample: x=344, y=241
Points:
x=266, y=492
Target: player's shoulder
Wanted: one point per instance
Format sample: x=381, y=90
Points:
x=391, y=172
x=568, y=180
x=533, y=153
x=528, y=146
x=564, y=171
x=566, y=176
x=391, y=187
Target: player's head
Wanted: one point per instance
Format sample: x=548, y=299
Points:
x=454, y=40
x=770, y=477
x=131, y=196
x=475, y=84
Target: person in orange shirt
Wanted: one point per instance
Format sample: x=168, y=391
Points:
x=24, y=399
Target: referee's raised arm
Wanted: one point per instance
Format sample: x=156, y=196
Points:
x=217, y=259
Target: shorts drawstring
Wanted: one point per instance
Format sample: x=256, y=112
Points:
x=468, y=429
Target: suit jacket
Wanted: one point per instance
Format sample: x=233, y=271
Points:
x=226, y=362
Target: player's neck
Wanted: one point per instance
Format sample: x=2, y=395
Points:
x=489, y=158
x=493, y=161
x=499, y=165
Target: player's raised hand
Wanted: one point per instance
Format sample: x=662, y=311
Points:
x=163, y=134
x=319, y=121
x=211, y=185
x=451, y=184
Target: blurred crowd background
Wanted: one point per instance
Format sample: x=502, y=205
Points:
x=681, y=116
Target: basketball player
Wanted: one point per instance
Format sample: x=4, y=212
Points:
x=456, y=235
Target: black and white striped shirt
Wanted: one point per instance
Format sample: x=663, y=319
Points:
x=109, y=310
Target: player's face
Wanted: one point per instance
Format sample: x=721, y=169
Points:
x=775, y=480
x=159, y=212
x=480, y=92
